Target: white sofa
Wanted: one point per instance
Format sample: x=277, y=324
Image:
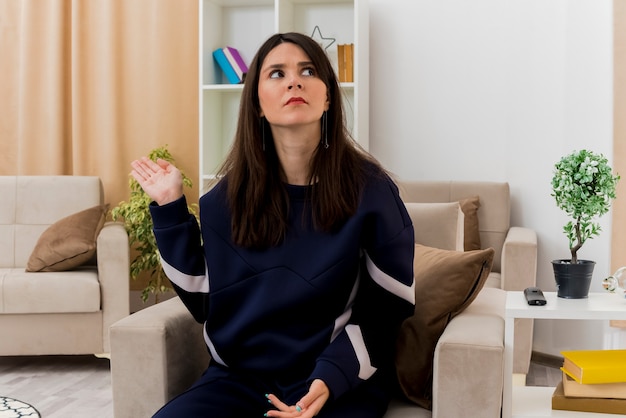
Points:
x=63, y=312
x=158, y=352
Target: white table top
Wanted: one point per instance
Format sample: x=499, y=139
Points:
x=597, y=306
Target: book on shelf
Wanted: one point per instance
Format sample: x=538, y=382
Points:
x=224, y=64
x=235, y=60
x=341, y=63
x=345, y=62
x=572, y=388
x=349, y=63
x=600, y=405
x=595, y=366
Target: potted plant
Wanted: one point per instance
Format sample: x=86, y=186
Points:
x=583, y=186
x=138, y=223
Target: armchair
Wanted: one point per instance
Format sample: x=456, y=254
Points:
x=158, y=352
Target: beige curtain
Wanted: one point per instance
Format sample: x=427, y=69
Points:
x=618, y=236
x=88, y=85
x=618, y=253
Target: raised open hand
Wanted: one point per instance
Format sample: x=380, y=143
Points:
x=161, y=180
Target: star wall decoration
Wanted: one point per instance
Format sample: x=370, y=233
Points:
x=324, y=42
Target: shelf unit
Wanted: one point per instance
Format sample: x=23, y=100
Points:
x=245, y=25
x=526, y=402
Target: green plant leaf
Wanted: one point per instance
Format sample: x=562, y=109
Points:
x=583, y=185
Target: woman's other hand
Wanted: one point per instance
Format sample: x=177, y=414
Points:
x=308, y=407
x=161, y=180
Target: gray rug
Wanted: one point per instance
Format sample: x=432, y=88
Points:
x=12, y=408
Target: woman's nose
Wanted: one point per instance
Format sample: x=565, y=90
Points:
x=295, y=82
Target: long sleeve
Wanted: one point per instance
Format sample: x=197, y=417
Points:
x=182, y=256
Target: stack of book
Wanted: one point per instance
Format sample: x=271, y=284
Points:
x=345, y=62
x=231, y=63
x=593, y=381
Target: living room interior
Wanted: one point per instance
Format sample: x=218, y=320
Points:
x=481, y=91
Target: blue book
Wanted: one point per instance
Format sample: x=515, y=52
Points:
x=228, y=70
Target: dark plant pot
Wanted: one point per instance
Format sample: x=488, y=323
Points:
x=573, y=280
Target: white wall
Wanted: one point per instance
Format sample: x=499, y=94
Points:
x=498, y=90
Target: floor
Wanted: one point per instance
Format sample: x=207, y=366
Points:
x=544, y=371
x=59, y=386
x=80, y=386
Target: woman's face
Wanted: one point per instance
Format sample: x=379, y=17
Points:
x=290, y=92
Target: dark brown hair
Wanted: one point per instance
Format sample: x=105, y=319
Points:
x=255, y=183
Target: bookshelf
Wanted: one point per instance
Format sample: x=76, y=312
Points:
x=245, y=25
x=523, y=402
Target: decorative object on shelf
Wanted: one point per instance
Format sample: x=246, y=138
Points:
x=583, y=186
x=138, y=224
x=616, y=283
x=324, y=42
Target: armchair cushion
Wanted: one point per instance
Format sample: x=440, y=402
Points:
x=446, y=282
x=69, y=242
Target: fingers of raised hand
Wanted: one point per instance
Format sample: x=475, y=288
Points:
x=144, y=169
x=141, y=169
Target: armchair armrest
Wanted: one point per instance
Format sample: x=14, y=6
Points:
x=519, y=271
x=519, y=259
x=156, y=354
x=469, y=360
x=113, y=275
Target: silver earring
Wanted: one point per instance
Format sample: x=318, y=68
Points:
x=325, y=129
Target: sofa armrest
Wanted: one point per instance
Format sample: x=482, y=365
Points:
x=469, y=360
x=113, y=275
x=156, y=354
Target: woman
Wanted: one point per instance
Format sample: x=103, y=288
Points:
x=302, y=271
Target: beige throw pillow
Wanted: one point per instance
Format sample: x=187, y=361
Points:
x=438, y=225
x=69, y=242
x=446, y=282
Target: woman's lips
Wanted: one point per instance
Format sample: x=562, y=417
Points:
x=296, y=100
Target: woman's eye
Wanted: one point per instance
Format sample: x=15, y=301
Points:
x=276, y=74
x=308, y=72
